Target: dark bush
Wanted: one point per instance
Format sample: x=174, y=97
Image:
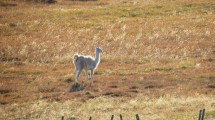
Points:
x=7, y=4
x=42, y=1
x=82, y=0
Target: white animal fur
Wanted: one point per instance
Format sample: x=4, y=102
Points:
x=87, y=63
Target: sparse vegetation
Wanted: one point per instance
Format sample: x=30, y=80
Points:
x=158, y=59
x=88, y=93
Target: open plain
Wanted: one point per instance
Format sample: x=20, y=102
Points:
x=158, y=59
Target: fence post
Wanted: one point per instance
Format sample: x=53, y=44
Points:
x=112, y=117
x=203, y=114
x=200, y=114
x=120, y=117
x=62, y=118
x=137, y=117
x=90, y=118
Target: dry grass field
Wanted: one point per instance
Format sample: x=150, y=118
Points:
x=158, y=59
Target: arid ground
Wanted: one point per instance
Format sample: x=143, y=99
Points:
x=158, y=59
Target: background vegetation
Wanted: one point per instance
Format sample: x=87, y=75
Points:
x=158, y=59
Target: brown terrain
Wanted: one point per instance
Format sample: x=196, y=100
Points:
x=158, y=59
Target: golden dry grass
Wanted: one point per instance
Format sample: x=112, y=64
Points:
x=162, y=108
x=53, y=34
x=158, y=59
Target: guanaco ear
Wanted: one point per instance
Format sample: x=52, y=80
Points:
x=75, y=57
x=100, y=49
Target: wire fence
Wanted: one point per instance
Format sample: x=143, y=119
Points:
x=200, y=116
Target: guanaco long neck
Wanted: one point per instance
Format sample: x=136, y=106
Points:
x=97, y=59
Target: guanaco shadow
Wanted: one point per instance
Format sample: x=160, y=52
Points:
x=77, y=87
